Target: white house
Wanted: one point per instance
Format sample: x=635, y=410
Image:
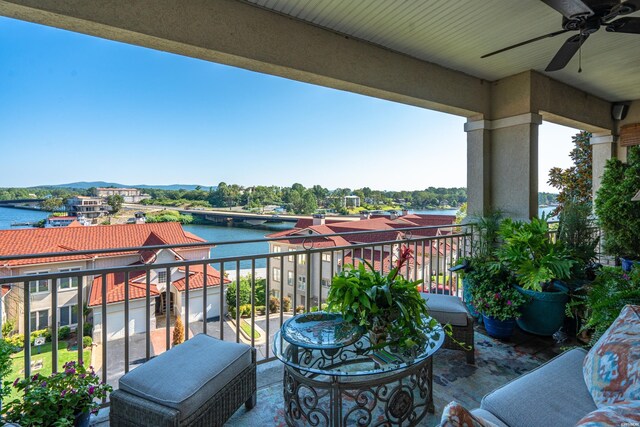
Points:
x=61, y=239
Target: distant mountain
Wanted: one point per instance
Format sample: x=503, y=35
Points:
x=83, y=185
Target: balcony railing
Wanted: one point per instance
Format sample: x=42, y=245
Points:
x=435, y=249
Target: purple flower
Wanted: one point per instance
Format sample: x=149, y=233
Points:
x=15, y=383
x=508, y=302
x=63, y=393
x=70, y=371
x=83, y=375
x=43, y=384
x=91, y=390
x=497, y=296
x=35, y=377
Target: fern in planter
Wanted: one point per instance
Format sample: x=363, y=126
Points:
x=380, y=302
x=531, y=255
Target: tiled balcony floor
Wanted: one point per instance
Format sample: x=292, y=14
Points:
x=496, y=363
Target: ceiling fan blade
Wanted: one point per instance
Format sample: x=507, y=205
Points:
x=566, y=52
x=623, y=8
x=570, y=9
x=625, y=25
x=546, y=36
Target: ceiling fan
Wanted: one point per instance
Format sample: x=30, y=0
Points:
x=585, y=16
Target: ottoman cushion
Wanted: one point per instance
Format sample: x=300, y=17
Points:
x=446, y=309
x=188, y=375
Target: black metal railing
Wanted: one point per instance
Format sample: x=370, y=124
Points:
x=121, y=342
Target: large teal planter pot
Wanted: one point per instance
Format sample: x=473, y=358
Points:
x=544, y=314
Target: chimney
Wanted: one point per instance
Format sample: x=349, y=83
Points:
x=405, y=212
x=393, y=215
x=318, y=219
x=365, y=215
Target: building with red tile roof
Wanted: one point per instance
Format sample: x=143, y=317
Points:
x=133, y=239
x=380, y=229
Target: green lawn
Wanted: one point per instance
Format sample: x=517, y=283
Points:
x=64, y=355
x=247, y=329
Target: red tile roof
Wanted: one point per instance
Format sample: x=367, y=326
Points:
x=41, y=240
x=115, y=284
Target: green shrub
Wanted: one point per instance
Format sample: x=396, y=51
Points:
x=8, y=327
x=274, y=305
x=245, y=310
x=87, y=330
x=64, y=333
x=16, y=340
x=87, y=342
x=261, y=309
x=286, y=304
x=232, y=312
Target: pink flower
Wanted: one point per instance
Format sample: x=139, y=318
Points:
x=91, y=390
x=509, y=302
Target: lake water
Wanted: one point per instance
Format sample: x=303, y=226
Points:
x=210, y=233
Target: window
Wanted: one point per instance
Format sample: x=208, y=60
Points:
x=162, y=276
x=290, y=257
x=276, y=274
x=276, y=249
x=38, y=286
x=290, y=278
x=302, y=283
x=68, y=315
x=326, y=283
x=326, y=256
x=39, y=320
x=302, y=259
x=68, y=282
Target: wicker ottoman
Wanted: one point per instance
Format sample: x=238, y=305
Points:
x=201, y=382
x=448, y=309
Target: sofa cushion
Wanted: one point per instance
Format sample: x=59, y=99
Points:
x=479, y=412
x=188, y=375
x=446, y=309
x=614, y=415
x=612, y=367
x=456, y=415
x=554, y=394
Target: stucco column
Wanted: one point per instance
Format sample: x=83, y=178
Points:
x=502, y=165
x=603, y=147
x=478, y=167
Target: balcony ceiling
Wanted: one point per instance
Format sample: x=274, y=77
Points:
x=456, y=33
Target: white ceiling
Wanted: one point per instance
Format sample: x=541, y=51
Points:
x=455, y=33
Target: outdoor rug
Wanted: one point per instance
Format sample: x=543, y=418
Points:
x=496, y=364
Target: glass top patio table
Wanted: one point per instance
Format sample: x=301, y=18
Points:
x=351, y=357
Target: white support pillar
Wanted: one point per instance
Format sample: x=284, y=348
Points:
x=502, y=165
x=603, y=147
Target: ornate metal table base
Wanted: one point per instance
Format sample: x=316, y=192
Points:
x=399, y=398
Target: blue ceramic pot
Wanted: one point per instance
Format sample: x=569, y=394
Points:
x=82, y=419
x=628, y=264
x=466, y=295
x=544, y=313
x=496, y=328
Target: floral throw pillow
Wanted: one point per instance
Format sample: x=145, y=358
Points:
x=612, y=367
x=456, y=415
x=615, y=415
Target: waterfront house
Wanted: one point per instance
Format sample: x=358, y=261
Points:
x=66, y=239
x=88, y=207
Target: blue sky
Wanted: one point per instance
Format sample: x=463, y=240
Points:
x=80, y=108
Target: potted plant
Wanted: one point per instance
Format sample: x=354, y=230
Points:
x=388, y=306
x=618, y=215
x=536, y=262
x=485, y=231
x=612, y=289
x=65, y=398
x=495, y=298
